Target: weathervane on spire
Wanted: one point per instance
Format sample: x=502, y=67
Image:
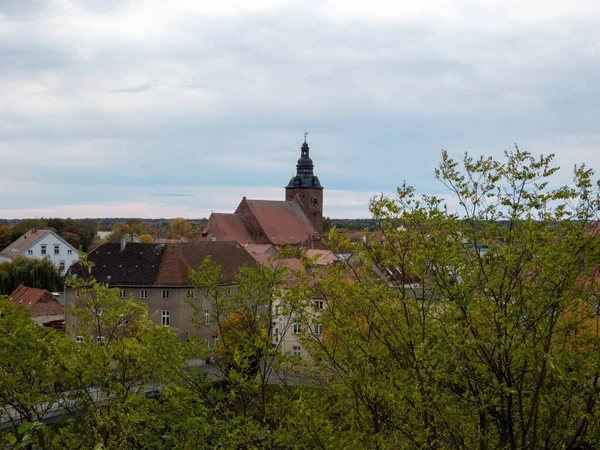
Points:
x=305, y=134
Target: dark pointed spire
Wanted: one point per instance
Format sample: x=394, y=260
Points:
x=304, y=169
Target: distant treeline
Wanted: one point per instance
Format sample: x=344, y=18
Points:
x=81, y=232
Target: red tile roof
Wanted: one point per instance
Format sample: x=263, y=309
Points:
x=232, y=227
x=39, y=302
x=283, y=222
x=24, y=242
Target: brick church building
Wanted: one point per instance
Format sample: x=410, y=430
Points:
x=297, y=220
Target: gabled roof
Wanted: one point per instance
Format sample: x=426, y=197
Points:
x=24, y=242
x=232, y=227
x=283, y=222
x=39, y=302
x=178, y=259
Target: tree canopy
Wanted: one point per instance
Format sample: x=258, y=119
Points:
x=36, y=273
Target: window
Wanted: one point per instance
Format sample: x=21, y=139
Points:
x=216, y=340
x=276, y=335
x=100, y=339
x=319, y=304
x=57, y=249
x=143, y=293
x=207, y=317
x=79, y=339
x=190, y=293
x=122, y=320
x=61, y=266
x=318, y=328
x=207, y=342
x=297, y=328
x=69, y=252
x=165, y=317
x=165, y=294
x=297, y=352
x=122, y=293
x=30, y=252
x=43, y=247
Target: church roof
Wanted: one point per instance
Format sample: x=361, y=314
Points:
x=233, y=227
x=283, y=222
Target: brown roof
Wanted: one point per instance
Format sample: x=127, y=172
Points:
x=283, y=222
x=25, y=241
x=274, y=263
x=39, y=302
x=179, y=258
x=260, y=248
x=321, y=257
x=232, y=227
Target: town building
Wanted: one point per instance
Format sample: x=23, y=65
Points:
x=44, y=308
x=42, y=244
x=158, y=275
x=296, y=220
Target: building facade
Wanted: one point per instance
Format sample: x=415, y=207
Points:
x=43, y=244
x=158, y=276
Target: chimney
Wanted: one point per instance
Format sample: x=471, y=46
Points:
x=123, y=241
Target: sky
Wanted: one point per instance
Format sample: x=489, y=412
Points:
x=153, y=108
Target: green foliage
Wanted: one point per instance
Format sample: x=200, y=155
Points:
x=451, y=347
x=36, y=273
x=72, y=239
x=6, y=232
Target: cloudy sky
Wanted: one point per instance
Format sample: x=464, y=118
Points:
x=157, y=108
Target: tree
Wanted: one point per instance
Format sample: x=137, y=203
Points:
x=71, y=238
x=146, y=239
x=247, y=403
x=139, y=226
x=5, y=236
x=22, y=227
x=121, y=358
x=476, y=330
x=179, y=228
x=36, y=273
x=118, y=230
x=30, y=383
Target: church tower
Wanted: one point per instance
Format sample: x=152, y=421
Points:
x=306, y=189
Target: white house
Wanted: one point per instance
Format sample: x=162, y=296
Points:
x=42, y=244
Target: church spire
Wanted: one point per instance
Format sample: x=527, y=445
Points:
x=305, y=177
x=305, y=188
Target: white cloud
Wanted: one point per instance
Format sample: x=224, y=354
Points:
x=112, y=101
